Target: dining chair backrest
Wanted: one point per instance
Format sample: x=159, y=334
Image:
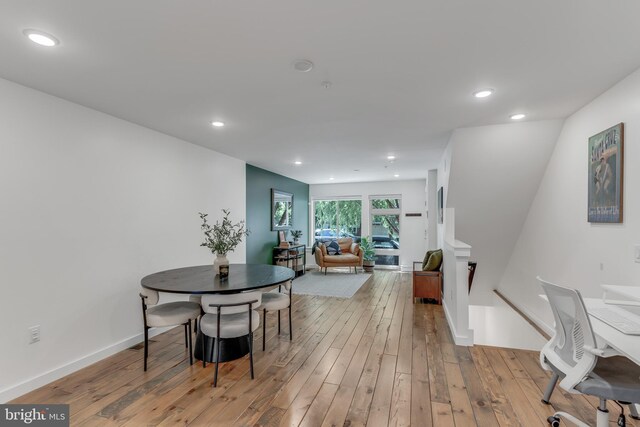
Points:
x=231, y=299
x=152, y=297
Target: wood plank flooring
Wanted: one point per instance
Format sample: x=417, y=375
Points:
x=376, y=359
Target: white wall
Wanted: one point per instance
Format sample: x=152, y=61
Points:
x=494, y=173
x=432, y=208
x=556, y=241
x=412, y=229
x=89, y=205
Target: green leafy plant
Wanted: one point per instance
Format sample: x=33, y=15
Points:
x=368, y=252
x=223, y=237
x=296, y=234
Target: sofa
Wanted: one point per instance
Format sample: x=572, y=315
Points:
x=351, y=255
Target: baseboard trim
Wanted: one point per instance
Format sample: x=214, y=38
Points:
x=536, y=322
x=54, y=374
x=465, y=340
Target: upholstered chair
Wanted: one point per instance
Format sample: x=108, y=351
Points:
x=156, y=315
x=229, y=316
x=276, y=301
x=351, y=255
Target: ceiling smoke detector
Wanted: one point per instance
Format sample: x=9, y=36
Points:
x=326, y=84
x=302, y=65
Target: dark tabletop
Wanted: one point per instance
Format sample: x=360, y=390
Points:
x=201, y=279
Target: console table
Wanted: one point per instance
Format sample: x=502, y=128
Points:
x=293, y=257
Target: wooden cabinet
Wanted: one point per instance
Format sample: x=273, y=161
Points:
x=427, y=284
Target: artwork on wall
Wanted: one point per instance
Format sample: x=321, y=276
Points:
x=441, y=205
x=281, y=210
x=606, y=167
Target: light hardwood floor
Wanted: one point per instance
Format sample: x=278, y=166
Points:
x=376, y=359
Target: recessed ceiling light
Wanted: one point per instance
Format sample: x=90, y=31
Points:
x=331, y=179
x=41, y=38
x=217, y=124
x=391, y=157
x=519, y=116
x=302, y=65
x=298, y=162
x=483, y=93
x=396, y=175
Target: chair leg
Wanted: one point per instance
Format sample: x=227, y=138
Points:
x=215, y=375
x=146, y=347
x=204, y=351
x=251, y=353
x=355, y=270
x=195, y=325
x=550, y=386
x=190, y=345
x=186, y=338
x=325, y=271
x=278, y=322
x=290, y=328
x=264, y=328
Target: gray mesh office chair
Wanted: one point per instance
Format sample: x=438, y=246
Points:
x=573, y=355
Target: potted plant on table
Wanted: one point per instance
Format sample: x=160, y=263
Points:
x=368, y=254
x=222, y=238
x=296, y=234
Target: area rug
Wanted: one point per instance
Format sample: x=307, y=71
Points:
x=337, y=283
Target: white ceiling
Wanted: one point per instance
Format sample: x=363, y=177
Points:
x=402, y=71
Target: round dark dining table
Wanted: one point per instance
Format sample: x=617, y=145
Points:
x=201, y=279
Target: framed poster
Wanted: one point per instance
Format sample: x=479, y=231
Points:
x=606, y=169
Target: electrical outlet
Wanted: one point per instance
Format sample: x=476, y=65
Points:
x=636, y=253
x=34, y=334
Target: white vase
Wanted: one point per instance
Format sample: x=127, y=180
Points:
x=218, y=261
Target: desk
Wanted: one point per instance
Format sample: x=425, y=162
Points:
x=627, y=345
x=202, y=280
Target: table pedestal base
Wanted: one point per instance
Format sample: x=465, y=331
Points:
x=230, y=348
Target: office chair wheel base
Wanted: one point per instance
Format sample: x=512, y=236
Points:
x=553, y=421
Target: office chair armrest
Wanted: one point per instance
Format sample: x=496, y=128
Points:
x=602, y=352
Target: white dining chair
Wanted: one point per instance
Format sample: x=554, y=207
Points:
x=229, y=316
x=276, y=301
x=156, y=315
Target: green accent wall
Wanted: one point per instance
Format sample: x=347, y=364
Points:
x=259, y=184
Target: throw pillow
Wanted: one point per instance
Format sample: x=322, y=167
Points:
x=426, y=259
x=434, y=262
x=333, y=248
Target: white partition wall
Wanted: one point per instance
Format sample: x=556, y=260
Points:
x=455, y=265
x=90, y=204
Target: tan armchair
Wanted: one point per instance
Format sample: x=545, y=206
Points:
x=351, y=255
